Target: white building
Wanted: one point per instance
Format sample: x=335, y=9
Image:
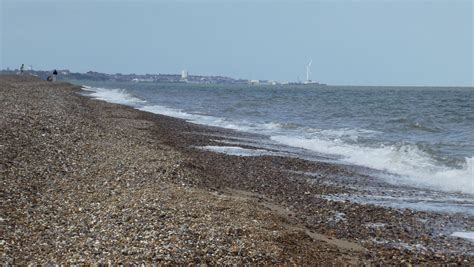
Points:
x=184, y=75
x=254, y=81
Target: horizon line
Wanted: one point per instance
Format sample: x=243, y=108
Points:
x=345, y=85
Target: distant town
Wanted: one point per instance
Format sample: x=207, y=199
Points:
x=184, y=77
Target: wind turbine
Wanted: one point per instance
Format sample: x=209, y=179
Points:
x=308, y=71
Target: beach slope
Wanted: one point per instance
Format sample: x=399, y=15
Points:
x=85, y=181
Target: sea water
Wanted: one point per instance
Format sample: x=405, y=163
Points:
x=421, y=137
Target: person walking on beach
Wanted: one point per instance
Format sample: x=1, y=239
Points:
x=22, y=68
x=55, y=73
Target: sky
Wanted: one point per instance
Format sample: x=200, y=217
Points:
x=421, y=43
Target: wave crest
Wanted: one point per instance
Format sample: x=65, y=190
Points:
x=406, y=163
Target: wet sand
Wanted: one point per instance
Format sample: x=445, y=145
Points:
x=84, y=181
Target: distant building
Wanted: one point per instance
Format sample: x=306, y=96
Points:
x=184, y=75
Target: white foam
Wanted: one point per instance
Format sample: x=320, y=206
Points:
x=239, y=125
x=410, y=165
x=439, y=202
x=238, y=151
x=87, y=88
x=116, y=95
x=467, y=235
x=346, y=133
x=272, y=125
x=169, y=112
x=265, y=128
x=195, y=118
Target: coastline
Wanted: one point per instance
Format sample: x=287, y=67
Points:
x=87, y=181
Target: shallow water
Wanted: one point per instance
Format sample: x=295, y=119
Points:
x=466, y=235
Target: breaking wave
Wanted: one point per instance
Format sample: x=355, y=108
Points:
x=118, y=96
x=407, y=164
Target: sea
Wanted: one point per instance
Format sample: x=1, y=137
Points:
x=416, y=141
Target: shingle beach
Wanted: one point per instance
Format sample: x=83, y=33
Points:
x=85, y=181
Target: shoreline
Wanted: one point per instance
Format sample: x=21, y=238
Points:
x=90, y=181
